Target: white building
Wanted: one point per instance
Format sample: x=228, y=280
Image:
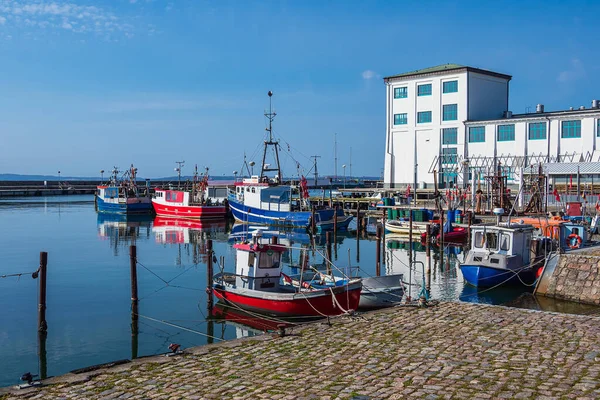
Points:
x=454, y=119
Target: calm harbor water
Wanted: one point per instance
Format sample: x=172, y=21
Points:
x=88, y=301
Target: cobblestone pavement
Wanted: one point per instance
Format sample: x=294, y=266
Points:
x=454, y=350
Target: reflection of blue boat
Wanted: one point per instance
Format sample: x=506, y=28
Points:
x=497, y=296
x=122, y=196
x=125, y=220
x=242, y=232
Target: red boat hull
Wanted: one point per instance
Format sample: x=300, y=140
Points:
x=458, y=235
x=169, y=210
x=313, y=306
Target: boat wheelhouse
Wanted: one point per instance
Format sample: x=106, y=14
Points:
x=122, y=195
x=198, y=201
x=502, y=254
x=257, y=285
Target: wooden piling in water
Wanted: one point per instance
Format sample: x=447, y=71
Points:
x=428, y=255
x=42, y=324
x=469, y=218
x=335, y=220
x=312, y=221
x=378, y=252
x=134, y=300
x=209, y=276
x=410, y=234
x=442, y=237
x=134, y=285
x=328, y=245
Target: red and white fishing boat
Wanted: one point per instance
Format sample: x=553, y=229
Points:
x=258, y=286
x=195, y=202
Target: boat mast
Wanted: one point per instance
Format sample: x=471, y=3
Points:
x=271, y=116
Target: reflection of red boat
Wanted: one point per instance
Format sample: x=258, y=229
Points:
x=458, y=235
x=180, y=230
x=257, y=286
x=253, y=321
x=189, y=223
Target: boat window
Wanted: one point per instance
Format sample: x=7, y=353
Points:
x=491, y=240
x=505, y=242
x=269, y=260
x=251, y=257
x=253, y=190
x=247, y=189
x=479, y=241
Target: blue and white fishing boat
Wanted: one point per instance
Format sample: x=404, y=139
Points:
x=264, y=200
x=122, y=195
x=504, y=254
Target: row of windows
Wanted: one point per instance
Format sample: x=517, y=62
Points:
x=425, y=89
x=537, y=131
x=450, y=113
x=506, y=133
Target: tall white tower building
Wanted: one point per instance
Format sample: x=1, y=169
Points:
x=425, y=115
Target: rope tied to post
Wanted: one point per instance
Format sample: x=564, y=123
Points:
x=33, y=274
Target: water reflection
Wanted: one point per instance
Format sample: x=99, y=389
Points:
x=190, y=236
x=439, y=272
x=123, y=230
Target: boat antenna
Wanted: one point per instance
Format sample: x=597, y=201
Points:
x=335, y=156
x=264, y=167
x=316, y=172
x=178, y=169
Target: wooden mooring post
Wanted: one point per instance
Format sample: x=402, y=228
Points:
x=209, y=276
x=378, y=252
x=42, y=324
x=358, y=233
x=335, y=221
x=312, y=221
x=134, y=301
x=328, y=246
x=428, y=255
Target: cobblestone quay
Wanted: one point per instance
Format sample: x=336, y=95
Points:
x=454, y=350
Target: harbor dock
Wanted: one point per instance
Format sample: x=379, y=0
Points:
x=452, y=350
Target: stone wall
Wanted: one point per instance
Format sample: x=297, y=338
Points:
x=574, y=278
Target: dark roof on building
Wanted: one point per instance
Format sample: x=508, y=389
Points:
x=445, y=68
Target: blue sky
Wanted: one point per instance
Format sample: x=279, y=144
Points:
x=87, y=85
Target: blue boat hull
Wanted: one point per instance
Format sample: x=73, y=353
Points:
x=484, y=276
x=144, y=206
x=268, y=217
x=301, y=219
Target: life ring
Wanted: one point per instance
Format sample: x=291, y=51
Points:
x=577, y=241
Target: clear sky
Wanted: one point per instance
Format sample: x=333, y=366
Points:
x=87, y=85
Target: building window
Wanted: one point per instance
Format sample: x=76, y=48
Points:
x=400, y=119
x=506, y=133
x=571, y=129
x=400, y=92
x=449, y=155
x=424, y=90
x=477, y=134
x=450, y=87
x=449, y=136
x=537, y=130
x=423, y=117
x=507, y=171
x=450, y=112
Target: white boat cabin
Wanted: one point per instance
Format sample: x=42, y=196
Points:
x=211, y=196
x=508, y=240
x=258, y=265
x=256, y=194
